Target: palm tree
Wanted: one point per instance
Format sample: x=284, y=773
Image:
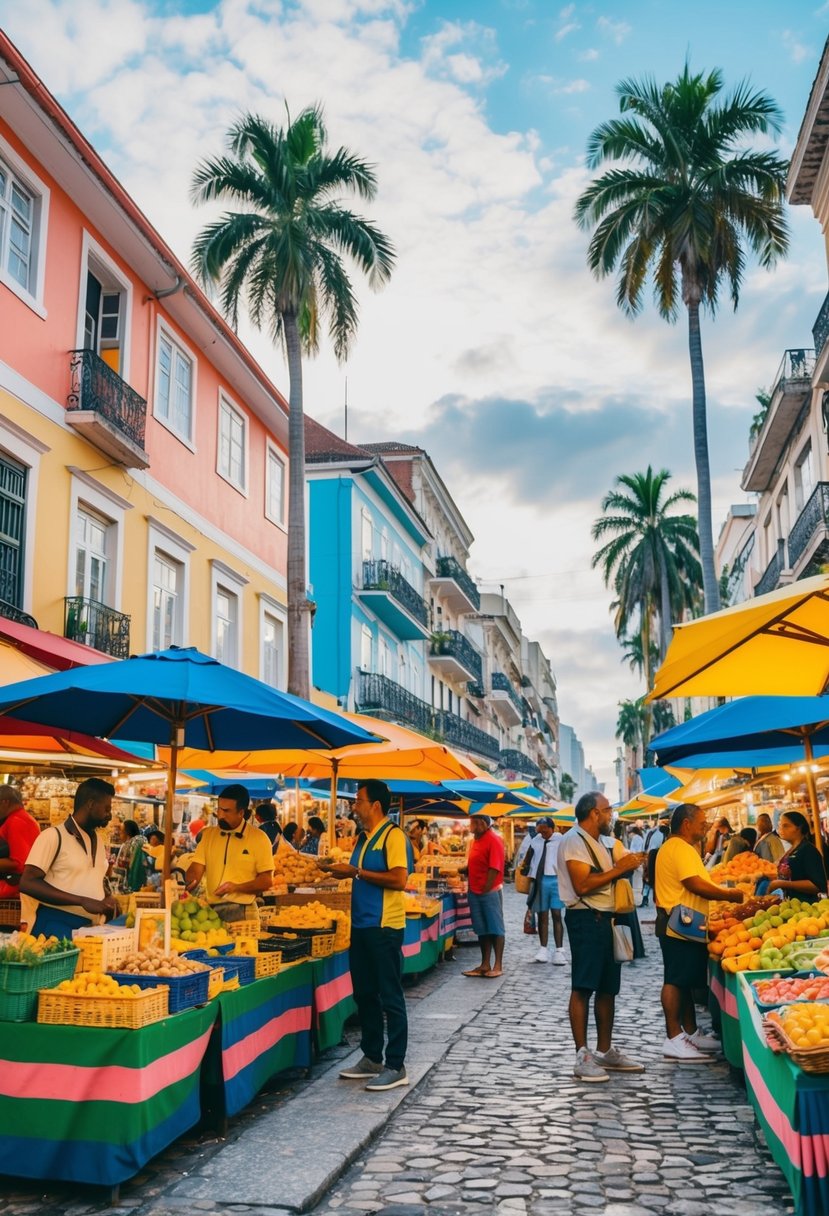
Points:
x=630, y=723
x=684, y=202
x=282, y=253
x=650, y=556
x=567, y=787
x=634, y=655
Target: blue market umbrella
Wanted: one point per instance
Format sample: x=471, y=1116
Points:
x=178, y=697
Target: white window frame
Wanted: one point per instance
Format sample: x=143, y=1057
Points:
x=366, y=638
x=26, y=450
x=91, y=251
x=221, y=576
x=805, y=457
x=271, y=449
x=161, y=539
x=35, y=186
x=84, y=492
x=366, y=525
x=269, y=607
x=229, y=406
x=165, y=332
x=104, y=555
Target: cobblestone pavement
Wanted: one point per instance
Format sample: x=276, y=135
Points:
x=499, y=1125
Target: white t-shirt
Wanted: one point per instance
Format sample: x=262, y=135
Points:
x=71, y=869
x=523, y=850
x=550, y=857
x=576, y=845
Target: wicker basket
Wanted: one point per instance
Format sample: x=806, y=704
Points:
x=810, y=1059
x=215, y=982
x=268, y=964
x=122, y=1012
x=322, y=945
x=147, y=899
x=103, y=951
x=10, y=912
x=330, y=898
x=19, y=984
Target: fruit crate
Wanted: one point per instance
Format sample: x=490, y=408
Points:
x=791, y=1000
x=810, y=1059
x=146, y=899
x=268, y=964
x=247, y=945
x=233, y=964
x=242, y=928
x=118, y=1012
x=185, y=990
x=215, y=981
x=330, y=898
x=19, y=983
x=292, y=949
x=103, y=951
x=322, y=945
x=10, y=912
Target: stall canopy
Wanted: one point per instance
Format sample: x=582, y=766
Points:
x=53, y=652
x=27, y=741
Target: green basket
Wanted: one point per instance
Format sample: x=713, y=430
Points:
x=19, y=984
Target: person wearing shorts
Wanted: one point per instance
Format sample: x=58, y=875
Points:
x=586, y=874
x=543, y=899
x=485, y=868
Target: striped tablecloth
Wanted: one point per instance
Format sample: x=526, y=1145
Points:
x=421, y=945
x=333, y=1002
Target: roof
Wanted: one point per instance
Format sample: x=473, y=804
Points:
x=392, y=446
x=322, y=444
x=813, y=137
x=48, y=648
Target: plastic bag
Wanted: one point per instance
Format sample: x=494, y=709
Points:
x=530, y=926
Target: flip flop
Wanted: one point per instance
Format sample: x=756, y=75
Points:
x=475, y=974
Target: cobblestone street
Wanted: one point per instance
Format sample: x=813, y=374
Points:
x=498, y=1124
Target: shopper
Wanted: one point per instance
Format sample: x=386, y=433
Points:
x=18, y=831
x=801, y=872
x=378, y=917
x=293, y=835
x=769, y=846
x=67, y=866
x=235, y=858
x=316, y=829
x=132, y=866
x=717, y=841
x=586, y=877
x=266, y=820
x=544, y=899
x=417, y=837
x=485, y=870
x=681, y=878
x=654, y=839
x=743, y=842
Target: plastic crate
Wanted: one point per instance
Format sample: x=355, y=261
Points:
x=19, y=984
x=103, y=951
x=301, y=930
x=146, y=899
x=244, y=968
x=291, y=948
x=247, y=945
x=764, y=1007
x=331, y=898
x=10, y=912
x=123, y=1012
x=185, y=990
x=215, y=982
x=322, y=945
x=268, y=964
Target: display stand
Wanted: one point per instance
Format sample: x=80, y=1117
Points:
x=333, y=999
x=723, y=989
x=464, y=933
x=447, y=923
x=421, y=949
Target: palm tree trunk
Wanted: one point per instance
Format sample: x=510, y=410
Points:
x=299, y=678
x=710, y=585
x=647, y=712
x=665, y=626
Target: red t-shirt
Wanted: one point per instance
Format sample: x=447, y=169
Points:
x=485, y=853
x=20, y=830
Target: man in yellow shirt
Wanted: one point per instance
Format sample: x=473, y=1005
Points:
x=681, y=878
x=234, y=857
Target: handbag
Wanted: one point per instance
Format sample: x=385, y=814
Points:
x=622, y=944
x=623, y=895
x=522, y=880
x=530, y=927
x=691, y=926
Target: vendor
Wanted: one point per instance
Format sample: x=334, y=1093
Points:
x=801, y=872
x=18, y=830
x=154, y=846
x=234, y=858
x=417, y=832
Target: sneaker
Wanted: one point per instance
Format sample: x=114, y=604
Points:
x=616, y=1061
x=704, y=1042
x=542, y=955
x=683, y=1051
x=587, y=1068
x=362, y=1069
x=389, y=1078
x=559, y=959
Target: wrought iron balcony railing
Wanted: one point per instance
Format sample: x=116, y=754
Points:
x=795, y=365
x=814, y=514
x=517, y=762
x=771, y=575
x=475, y=690
x=501, y=683
x=95, y=386
x=457, y=732
x=378, y=694
x=820, y=329
x=12, y=613
x=450, y=567
x=96, y=625
x=452, y=643
x=381, y=575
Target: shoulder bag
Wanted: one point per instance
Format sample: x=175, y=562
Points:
x=521, y=877
x=622, y=889
x=691, y=926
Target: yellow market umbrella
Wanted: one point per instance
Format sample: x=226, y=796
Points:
x=773, y=645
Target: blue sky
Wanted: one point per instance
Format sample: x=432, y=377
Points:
x=492, y=347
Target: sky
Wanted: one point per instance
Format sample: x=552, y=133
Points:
x=493, y=347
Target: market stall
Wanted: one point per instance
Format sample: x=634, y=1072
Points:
x=421, y=946
x=333, y=1002
x=722, y=987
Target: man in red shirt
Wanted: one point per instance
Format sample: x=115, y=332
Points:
x=485, y=867
x=19, y=830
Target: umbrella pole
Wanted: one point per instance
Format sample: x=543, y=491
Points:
x=812, y=788
x=172, y=774
x=332, y=809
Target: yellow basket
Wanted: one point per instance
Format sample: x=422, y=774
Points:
x=322, y=944
x=147, y=899
x=104, y=951
x=268, y=964
x=10, y=912
x=329, y=897
x=416, y=882
x=216, y=982
x=243, y=928
x=248, y=945
x=125, y=1012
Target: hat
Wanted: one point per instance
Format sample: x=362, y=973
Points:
x=545, y=822
x=487, y=819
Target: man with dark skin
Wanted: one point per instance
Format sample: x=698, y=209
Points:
x=485, y=869
x=18, y=832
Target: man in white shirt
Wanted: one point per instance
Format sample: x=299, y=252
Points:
x=542, y=866
x=636, y=844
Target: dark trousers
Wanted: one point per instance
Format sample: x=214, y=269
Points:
x=376, y=963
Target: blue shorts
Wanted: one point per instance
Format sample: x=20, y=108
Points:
x=487, y=912
x=545, y=895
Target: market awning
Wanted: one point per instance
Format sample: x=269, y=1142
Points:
x=55, y=653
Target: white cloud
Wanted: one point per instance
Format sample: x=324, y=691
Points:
x=797, y=51
x=616, y=31
x=588, y=56
x=462, y=65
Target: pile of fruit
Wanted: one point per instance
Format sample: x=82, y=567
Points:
x=195, y=923
x=305, y=916
x=296, y=869
x=726, y=916
x=96, y=983
x=743, y=871
x=153, y=961
x=776, y=938
x=24, y=948
x=342, y=927
x=781, y=989
x=805, y=1025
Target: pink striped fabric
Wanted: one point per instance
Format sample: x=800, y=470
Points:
x=243, y=1053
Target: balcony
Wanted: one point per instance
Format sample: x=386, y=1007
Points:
x=454, y=657
x=12, y=613
x=392, y=599
x=458, y=589
x=457, y=732
x=791, y=392
x=812, y=524
x=820, y=329
x=105, y=410
x=506, y=701
x=383, y=697
x=514, y=761
x=770, y=578
x=96, y=625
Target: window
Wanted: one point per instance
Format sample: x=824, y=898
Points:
x=275, y=487
x=366, y=649
x=24, y=205
x=783, y=513
x=227, y=626
x=384, y=664
x=91, y=555
x=12, y=529
x=232, y=463
x=804, y=478
x=174, y=387
x=168, y=584
x=384, y=545
x=272, y=644
x=367, y=536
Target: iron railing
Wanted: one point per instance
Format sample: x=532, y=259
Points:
x=457, y=732
x=771, y=575
x=736, y=574
x=517, y=762
x=820, y=329
x=378, y=694
x=381, y=575
x=476, y=690
x=501, y=683
x=452, y=643
x=450, y=567
x=97, y=625
x=12, y=613
x=796, y=364
x=815, y=513
x=95, y=386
